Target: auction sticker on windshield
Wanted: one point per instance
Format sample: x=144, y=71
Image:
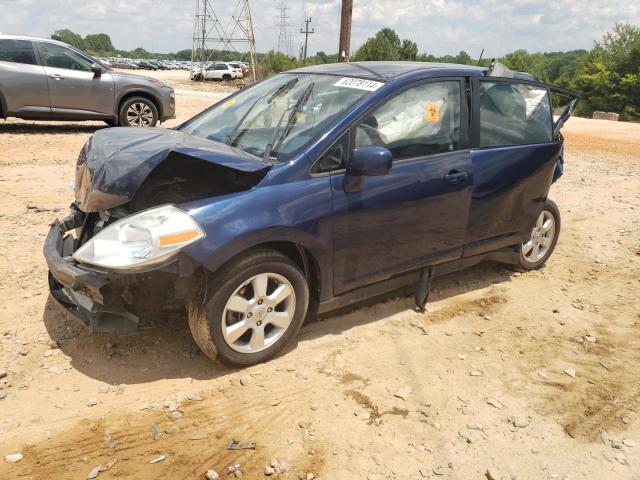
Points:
x=358, y=83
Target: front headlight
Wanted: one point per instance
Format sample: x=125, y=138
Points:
x=147, y=238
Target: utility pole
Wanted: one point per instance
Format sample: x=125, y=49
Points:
x=344, y=49
x=306, y=32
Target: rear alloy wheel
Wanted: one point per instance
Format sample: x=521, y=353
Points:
x=544, y=236
x=138, y=112
x=255, y=308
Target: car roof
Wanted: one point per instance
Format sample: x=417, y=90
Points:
x=33, y=39
x=384, y=71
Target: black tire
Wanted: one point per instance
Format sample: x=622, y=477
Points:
x=525, y=265
x=124, y=107
x=198, y=78
x=206, y=305
x=226, y=77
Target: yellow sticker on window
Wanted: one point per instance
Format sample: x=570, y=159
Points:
x=432, y=112
x=228, y=103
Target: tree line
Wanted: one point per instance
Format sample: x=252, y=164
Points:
x=607, y=77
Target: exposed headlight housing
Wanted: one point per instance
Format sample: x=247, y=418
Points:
x=145, y=239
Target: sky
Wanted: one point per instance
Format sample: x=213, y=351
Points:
x=437, y=26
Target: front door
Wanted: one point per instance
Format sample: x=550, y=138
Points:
x=73, y=86
x=417, y=214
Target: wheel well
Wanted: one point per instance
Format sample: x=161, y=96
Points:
x=142, y=94
x=301, y=257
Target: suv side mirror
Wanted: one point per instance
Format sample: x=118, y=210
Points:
x=366, y=162
x=96, y=69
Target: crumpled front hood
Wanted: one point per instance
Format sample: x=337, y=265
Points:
x=115, y=162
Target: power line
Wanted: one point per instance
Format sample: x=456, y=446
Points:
x=210, y=35
x=306, y=32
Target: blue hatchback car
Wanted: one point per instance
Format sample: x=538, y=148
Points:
x=306, y=192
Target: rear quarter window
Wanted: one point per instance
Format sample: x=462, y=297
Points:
x=17, y=51
x=514, y=114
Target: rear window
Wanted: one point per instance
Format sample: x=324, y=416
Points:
x=514, y=114
x=17, y=51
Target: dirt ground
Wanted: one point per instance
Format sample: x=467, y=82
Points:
x=477, y=383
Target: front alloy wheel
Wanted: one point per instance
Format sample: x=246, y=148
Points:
x=138, y=112
x=258, y=313
x=249, y=310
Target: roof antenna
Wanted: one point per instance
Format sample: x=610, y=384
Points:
x=480, y=58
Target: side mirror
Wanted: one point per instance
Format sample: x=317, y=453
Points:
x=96, y=69
x=366, y=162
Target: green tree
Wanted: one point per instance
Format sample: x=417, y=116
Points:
x=67, y=36
x=464, y=58
x=386, y=45
x=408, y=50
x=610, y=77
x=98, y=43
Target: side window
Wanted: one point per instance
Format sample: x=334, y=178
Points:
x=423, y=120
x=514, y=114
x=221, y=67
x=335, y=158
x=62, y=57
x=17, y=51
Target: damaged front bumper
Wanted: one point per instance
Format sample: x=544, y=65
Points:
x=89, y=296
x=121, y=303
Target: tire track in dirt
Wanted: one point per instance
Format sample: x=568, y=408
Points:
x=223, y=417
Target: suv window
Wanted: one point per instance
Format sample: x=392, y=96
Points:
x=514, y=114
x=335, y=158
x=17, y=51
x=423, y=120
x=220, y=66
x=61, y=57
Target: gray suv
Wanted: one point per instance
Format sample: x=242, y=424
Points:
x=42, y=79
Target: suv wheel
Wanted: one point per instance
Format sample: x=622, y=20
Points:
x=254, y=309
x=226, y=77
x=138, y=112
x=544, y=236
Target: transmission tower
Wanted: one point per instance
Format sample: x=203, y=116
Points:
x=209, y=34
x=306, y=33
x=283, y=36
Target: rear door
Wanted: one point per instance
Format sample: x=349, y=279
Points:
x=73, y=86
x=513, y=161
x=417, y=214
x=23, y=83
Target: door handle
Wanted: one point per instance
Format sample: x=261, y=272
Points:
x=57, y=76
x=454, y=177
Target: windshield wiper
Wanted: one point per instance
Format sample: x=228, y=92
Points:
x=229, y=138
x=277, y=136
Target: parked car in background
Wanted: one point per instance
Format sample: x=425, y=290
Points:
x=144, y=65
x=310, y=191
x=215, y=71
x=42, y=79
x=237, y=67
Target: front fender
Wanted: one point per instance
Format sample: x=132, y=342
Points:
x=297, y=212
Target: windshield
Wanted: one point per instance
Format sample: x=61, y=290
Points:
x=279, y=116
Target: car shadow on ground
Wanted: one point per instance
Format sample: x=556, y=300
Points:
x=167, y=350
x=50, y=128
